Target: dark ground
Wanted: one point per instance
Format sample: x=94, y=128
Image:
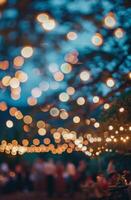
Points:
x=38, y=196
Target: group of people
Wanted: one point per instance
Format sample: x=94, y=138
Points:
x=57, y=179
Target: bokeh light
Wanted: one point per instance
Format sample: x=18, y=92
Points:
x=110, y=82
x=110, y=20
x=9, y=123
x=84, y=75
x=97, y=39
x=71, y=36
x=27, y=52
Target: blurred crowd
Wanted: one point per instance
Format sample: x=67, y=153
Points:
x=58, y=179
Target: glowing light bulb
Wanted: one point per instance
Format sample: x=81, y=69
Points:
x=81, y=101
x=110, y=82
x=97, y=125
x=97, y=39
x=84, y=75
x=63, y=97
x=27, y=52
x=96, y=99
x=54, y=112
x=110, y=20
x=9, y=123
x=110, y=127
x=42, y=17
x=119, y=33
x=14, y=83
x=106, y=106
x=71, y=36
x=66, y=68
x=49, y=24
x=6, y=80
x=121, y=109
x=70, y=91
x=76, y=119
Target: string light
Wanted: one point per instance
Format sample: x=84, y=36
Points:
x=9, y=123
x=96, y=99
x=61, y=79
x=96, y=125
x=71, y=36
x=18, y=61
x=110, y=20
x=81, y=101
x=76, y=119
x=6, y=80
x=97, y=39
x=119, y=33
x=27, y=52
x=106, y=106
x=14, y=83
x=64, y=97
x=110, y=82
x=42, y=17
x=70, y=91
x=85, y=75
x=66, y=68
x=54, y=112
x=121, y=109
x=110, y=127
x=129, y=75
x=2, y=2
x=59, y=76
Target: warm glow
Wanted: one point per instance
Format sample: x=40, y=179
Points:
x=81, y=101
x=4, y=65
x=129, y=75
x=6, y=80
x=64, y=114
x=110, y=82
x=41, y=124
x=70, y=91
x=21, y=76
x=3, y=106
x=64, y=97
x=96, y=125
x=3, y=2
x=27, y=52
x=97, y=39
x=9, y=123
x=18, y=115
x=59, y=76
x=36, y=92
x=27, y=119
x=110, y=20
x=14, y=83
x=18, y=61
x=121, y=109
x=42, y=131
x=110, y=127
x=76, y=119
x=71, y=36
x=12, y=111
x=96, y=99
x=54, y=112
x=66, y=68
x=42, y=17
x=106, y=106
x=49, y=24
x=84, y=75
x=119, y=33
x=32, y=101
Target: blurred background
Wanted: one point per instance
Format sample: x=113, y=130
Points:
x=65, y=83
